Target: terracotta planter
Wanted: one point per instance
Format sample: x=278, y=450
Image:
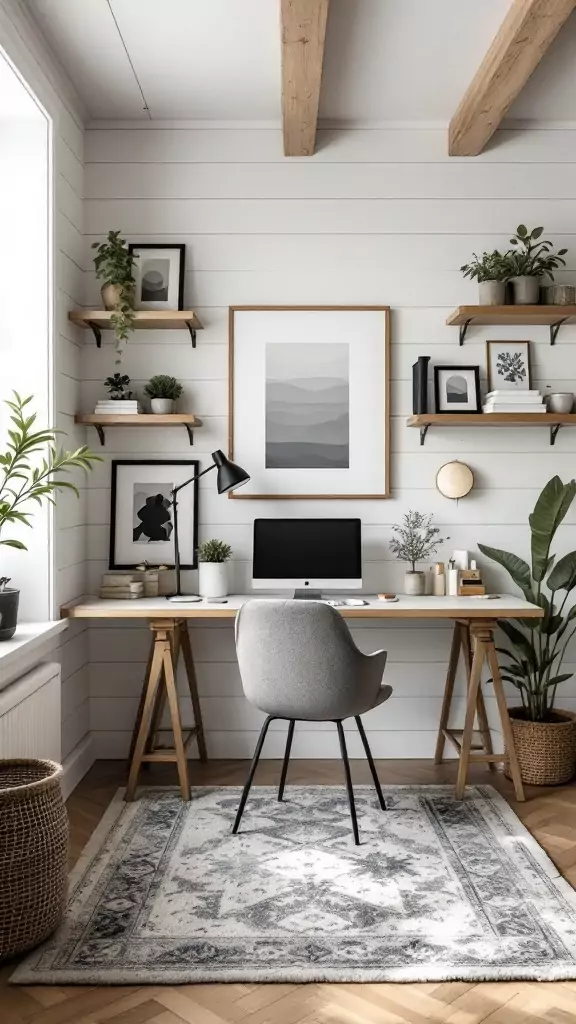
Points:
x=545, y=750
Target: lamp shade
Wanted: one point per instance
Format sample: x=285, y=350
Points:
x=230, y=476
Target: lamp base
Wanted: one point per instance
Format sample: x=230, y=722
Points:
x=183, y=598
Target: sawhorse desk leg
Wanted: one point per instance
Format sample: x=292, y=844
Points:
x=482, y=634
x=170, y=636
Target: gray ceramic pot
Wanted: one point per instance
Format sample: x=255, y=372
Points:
x=162, y=406
x=526, y=291
x=561, y=402
x=415, y=584
x=8, y=613
x=491, y=293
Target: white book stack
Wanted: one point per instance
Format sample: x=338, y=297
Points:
x=121, y=586
x=514, y=401
x=122, y=407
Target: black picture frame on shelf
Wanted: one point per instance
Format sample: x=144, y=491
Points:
x=457, y=389
x=146, y=484
x=165, y=266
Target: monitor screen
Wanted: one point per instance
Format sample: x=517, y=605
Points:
x=307, y=549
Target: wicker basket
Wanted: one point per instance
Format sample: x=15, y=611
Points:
x=545, y=750
x=33, y=853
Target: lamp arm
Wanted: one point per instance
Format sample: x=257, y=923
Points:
x=192, y=479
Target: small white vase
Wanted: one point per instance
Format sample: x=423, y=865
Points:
x=162, y=406
x=415, y=584
x=212, y=579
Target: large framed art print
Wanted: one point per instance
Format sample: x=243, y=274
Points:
x=309, y=400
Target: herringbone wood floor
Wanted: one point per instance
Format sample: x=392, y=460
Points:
x=549, y=814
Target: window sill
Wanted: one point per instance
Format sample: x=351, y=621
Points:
x=29, y=636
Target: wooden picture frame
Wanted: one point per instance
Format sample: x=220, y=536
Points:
x=440, y=400
x=374, y=449
x=179, y=248
x=524, y=384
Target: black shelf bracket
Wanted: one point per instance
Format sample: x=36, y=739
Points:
x=554, y=433
x=100, y=431
x=463, y=328
x=190, y=430
x=554, y=328
x=97, y=335
x=192, y=330
x=423, y=432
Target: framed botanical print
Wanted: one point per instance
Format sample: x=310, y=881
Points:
x=309, y=400
x=508, y=365
x=142, y=517
x=159, y=275
x=457, y=389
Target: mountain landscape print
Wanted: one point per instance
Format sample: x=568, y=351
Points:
x=307, y=405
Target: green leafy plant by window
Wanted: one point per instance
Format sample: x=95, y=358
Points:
x=30, y=468
x=114, y=265
x=539, y=645
x=532, y=257
x=417, y=539
x=163, y=386
x=492, y=266
x=214, y=551
x=118, y=386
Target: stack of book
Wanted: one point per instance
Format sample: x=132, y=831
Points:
x=514, y=401
x=121, y=586
x=111, y=407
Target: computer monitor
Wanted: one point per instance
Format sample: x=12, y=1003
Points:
x=307, y=555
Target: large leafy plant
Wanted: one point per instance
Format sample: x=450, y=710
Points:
x=30, y=468
x=114, y=264
x=531, y=257
x=539, y=645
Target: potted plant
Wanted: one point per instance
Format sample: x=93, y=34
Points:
x=492, y=273
x=529, y=262
x=114, y=265
x=417, y=541
x=29, y=472
x=118, y=387
x=163, y=391
x=543, y=735
x=212, y=572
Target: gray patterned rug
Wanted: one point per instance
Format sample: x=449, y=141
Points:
x=438, y=890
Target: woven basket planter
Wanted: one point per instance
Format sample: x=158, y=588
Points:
x=545, y=750
x=33, y=853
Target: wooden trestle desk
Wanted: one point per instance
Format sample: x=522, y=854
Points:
x=473, y=638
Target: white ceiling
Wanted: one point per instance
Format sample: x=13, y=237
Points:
x=385, y=60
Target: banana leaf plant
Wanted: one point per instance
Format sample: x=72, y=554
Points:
x=539, y=645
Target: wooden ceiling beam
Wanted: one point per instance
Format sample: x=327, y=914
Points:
x=522, y=40
x=303, y=25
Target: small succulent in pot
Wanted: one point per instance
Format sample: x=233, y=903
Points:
x=163, y=391
x=492, y=272
x=212, y=570
x=118, y=387
x=114, y=265
x=529, y=262
x=417, y=541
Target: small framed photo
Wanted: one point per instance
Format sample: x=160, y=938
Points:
x=457, y=389
x=142, y=516
x=508, y=365
x=159, y=274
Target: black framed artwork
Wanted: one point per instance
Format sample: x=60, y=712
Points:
x=159, y=275
x=457, y=389
x=141, y=514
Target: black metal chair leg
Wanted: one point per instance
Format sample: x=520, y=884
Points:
x=253, y=768
x=286, y=758
x=349, y=789
x=370, y=760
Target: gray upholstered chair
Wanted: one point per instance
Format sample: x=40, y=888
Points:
x=298, y=662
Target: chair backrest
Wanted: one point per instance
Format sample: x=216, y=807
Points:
x=298, y=660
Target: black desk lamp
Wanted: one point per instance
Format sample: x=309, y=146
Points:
x=229, y=477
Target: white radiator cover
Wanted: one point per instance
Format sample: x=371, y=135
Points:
x=30, y=723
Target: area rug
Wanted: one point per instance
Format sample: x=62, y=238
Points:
x=437, y=890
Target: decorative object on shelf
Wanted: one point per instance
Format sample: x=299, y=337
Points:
x=159, y=275
x=120, y=400
x=417, y=541
x=559, y=295
x=117, y=386
x=561, y=401
x=529, y=262
x=536, y=654
x=163, y=392
x=213, y=556
x=438, y=572
x=492, y=272
x=323, y=372
x=420, y=385
x=457, y=389
x=454, y=480
x=33, y=853
x=150, y=576
x=114, y=264
x=470, y=582
x=508, y=364
x=141, y=514
x=31, y=467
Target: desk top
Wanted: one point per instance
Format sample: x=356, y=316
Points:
x=505, y=607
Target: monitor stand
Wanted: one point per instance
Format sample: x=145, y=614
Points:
x=307, y=595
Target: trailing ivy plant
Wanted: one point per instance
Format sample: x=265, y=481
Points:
x=114, y=265
x=539, y=645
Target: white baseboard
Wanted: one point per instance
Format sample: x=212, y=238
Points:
x=78, y=762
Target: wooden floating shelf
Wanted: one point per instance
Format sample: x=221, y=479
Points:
x=140, y=419
x=547, y=316
x=493, y=419
x=98, y=320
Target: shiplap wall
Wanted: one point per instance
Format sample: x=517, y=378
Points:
x=379, y=216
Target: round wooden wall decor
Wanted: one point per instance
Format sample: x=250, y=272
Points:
x=455, y=480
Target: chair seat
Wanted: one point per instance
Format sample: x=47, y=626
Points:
x=385, y=692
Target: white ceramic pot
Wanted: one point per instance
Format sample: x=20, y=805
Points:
x=562, y=402
x=162, y=406
x=212, y=579
x=415, y=584
x=526, y=291
x=491, y=293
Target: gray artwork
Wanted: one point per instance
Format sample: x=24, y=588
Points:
x=511, y=366
x=456, y=389
x=152, y=515
x=307, y=406
x=155, y=280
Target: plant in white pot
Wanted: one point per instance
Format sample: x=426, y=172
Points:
x=492, y=272
x=212, y=568
x=29, y=473
x=417, y=541
x=114, y=266
x=529, y=262
x=163, y=392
